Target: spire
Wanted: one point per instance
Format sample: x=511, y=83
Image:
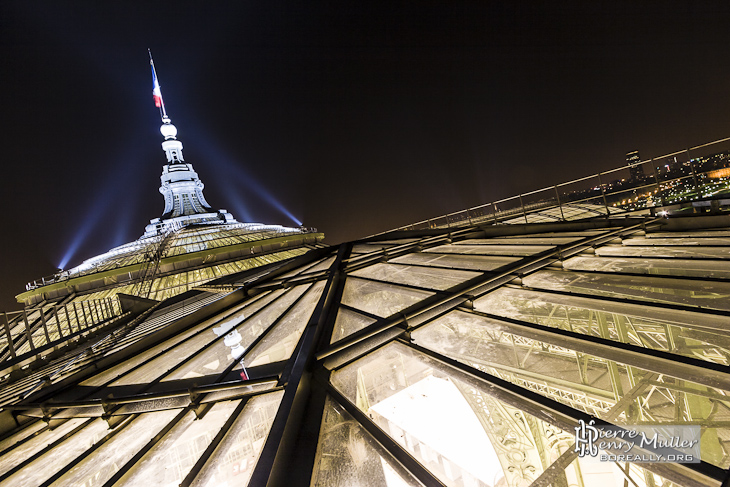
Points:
x=171, y=146
x=181, y=186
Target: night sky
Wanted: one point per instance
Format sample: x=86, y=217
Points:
x=351, y=117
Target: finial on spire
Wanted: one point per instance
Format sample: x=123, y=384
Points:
x=156, y=93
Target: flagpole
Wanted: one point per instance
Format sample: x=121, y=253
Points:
x=163, y=112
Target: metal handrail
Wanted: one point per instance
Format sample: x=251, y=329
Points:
x=604, y=191
x=23, y=331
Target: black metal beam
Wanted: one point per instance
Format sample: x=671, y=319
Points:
x=272, y=468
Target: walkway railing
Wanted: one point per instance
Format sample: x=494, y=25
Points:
x=23, y=332
x=690, y=175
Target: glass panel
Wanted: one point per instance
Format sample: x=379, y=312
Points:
x=458, y=430
x=169, y=286
x=430, y=278
x=696, y=234
x=580, y=234
x=668, y=267
x=531, y=240
x=56, y=460
x=378, y=298
x=280, y=342
x=322, y=266
x=472, y=262
x=101, y=465
x=569, y=211
x=215, y=359
x=17, y=455
x=233, y=461
x=706, y=294
x=347, y=455
x=670, y=252
x=699, y=241
x=518, y=250
x=173, y=356
x=698, y=335
x=169, y=462
x=494, y=347
x=133, y=362
x=588, y=209
x=399, y=241
x=558, y=368
x=29, y=429
x=347, y=323
x=368, y=248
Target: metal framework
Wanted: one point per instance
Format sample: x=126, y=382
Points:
x=507, y=325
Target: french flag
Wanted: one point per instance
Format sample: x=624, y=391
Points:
x=156, y=93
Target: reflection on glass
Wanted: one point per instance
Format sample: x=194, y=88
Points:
x=687, y=252
x=699, y=335
x=457, y=430
x=367, y=248
x=232, y=463
x=666, y=267
x=347, y=455
x=701, y=241
x=176, y=349
x=535, y=240
x=604, y=388
x=708, y=294
x=29, y=429
x=232, y=339
x=553, y=371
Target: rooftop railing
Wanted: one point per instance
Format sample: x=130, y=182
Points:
x=696, y=174
x=25, y=333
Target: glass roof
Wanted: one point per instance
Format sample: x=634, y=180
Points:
x=460, y=359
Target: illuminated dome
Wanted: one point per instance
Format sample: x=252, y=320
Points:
x=190, y=244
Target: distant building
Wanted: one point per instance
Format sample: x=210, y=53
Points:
x=635, y=169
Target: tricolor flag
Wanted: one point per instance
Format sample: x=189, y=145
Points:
x=156, y=93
